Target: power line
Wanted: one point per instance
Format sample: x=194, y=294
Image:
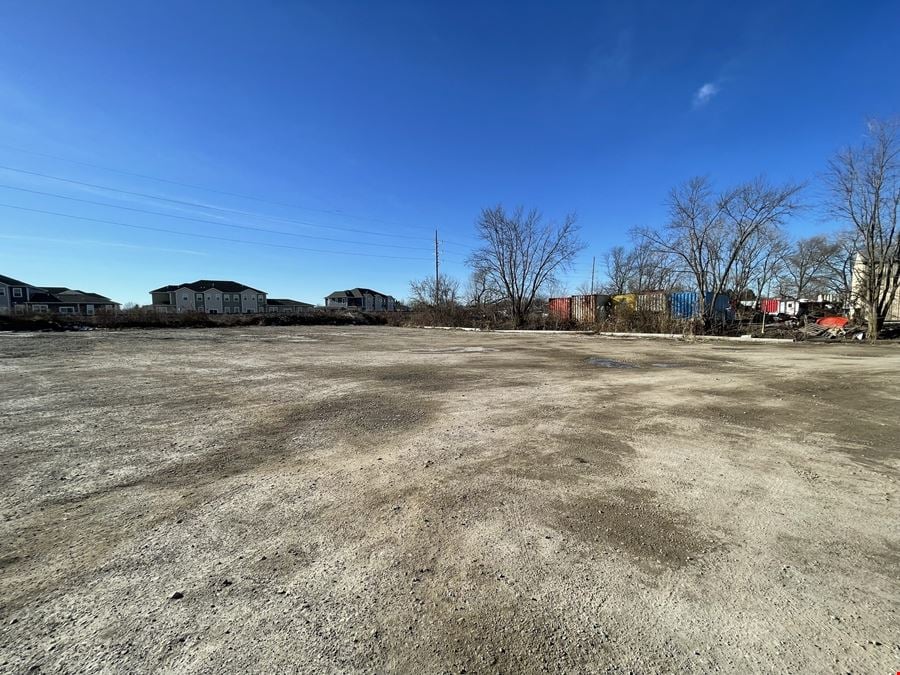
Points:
x=200, y=187
x=204, y=236
x=199, y=220
x=199, y=205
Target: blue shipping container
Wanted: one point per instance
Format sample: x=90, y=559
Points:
x=684, y=304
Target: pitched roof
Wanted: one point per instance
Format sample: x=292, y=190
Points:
x=356, y=293
x=40, y=295
x=287, y=302
x=84, y=297
x=9, y=281
x=202, y=285
x=62, y=295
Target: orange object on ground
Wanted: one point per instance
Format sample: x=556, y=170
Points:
x=833, y=321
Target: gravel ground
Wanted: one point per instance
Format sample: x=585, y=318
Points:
x=388, y=500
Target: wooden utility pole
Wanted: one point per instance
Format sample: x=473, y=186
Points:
x=593, y=263
x=437, y=272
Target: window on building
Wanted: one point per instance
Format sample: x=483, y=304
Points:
x=66, y=310
x=2, y=291
x=199, y=297
x=184, y=297
x=17, y=292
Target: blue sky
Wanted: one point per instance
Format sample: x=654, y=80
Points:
x=365, y=126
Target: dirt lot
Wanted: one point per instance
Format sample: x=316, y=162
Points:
x=388, y=500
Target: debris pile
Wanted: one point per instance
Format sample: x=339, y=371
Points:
x=830, y=328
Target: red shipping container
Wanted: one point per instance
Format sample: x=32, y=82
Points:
x=560, y=308
x=769, y=305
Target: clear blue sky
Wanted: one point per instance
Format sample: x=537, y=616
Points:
x=396, y=118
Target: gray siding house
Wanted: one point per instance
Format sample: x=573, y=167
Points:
x=14, y=295
x=363, y=299
x=210, y=297
x=18, y=297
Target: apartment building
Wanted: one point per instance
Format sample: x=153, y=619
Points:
x=363, y=299
x=210, y=297
x=19, y=297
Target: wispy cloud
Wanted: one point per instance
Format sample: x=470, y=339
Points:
x=608, y=64
x=705, y=94
x=95, y=242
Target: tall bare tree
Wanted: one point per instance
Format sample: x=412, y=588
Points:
x=522, y=254
x=838, y=275
x=864, y=182
x=707, y=232
x=769, y=265
x=639, y=268
x=806, y=266
x=651, y=270
x=424, y=292
x=619, y=265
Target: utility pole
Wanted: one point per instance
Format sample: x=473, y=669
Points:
x=593, y=263
x=437, y=272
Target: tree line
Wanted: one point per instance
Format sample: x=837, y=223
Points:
x=731, y=241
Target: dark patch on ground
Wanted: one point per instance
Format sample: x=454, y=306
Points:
x=397, y=378
x=453, y=350
x=580, y=453
x=634, y=522
x=601, y=362
x=286, y=432
x=279, y=437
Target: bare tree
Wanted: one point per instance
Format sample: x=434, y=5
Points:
x=585, y=288
x=838, y=275
x=806, y=266
x=761, y=260
x=423, y=292
x=707, y=233
x=651, y=270
x=619, y=266
x=865, y=192
x=521, y=254
x=639, y=268
x=481, y=292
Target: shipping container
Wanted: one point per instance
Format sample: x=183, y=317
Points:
x=789, y=307
x=769, y=305
x=589, y=309
x=654, y=301
x=583, y=310
x=684, y=305
x=560, y=309
x=626, y=300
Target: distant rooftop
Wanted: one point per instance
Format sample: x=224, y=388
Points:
x=202, y=285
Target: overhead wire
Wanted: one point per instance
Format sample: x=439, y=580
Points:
x=205, y=236
x=200, y=205
x=203, y=188
x=217, y=223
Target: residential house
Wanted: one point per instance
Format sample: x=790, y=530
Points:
x=17, y=296
x=61, y=300
x=210, y=297
x=363, y=299
x=14, y=295
x=286, y=306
